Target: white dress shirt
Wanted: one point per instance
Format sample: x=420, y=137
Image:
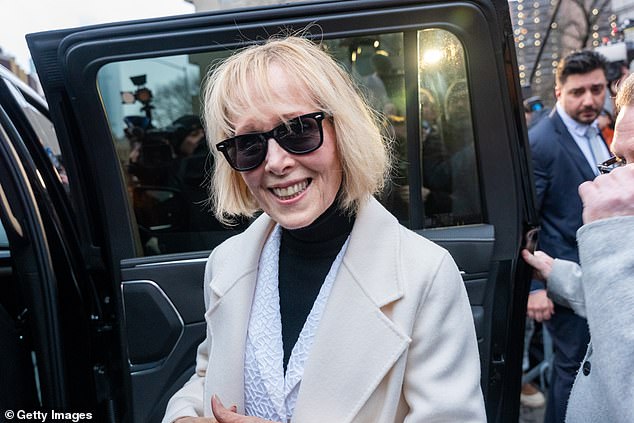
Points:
x=578, y=132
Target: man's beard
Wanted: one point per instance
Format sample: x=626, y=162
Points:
x=579, y=118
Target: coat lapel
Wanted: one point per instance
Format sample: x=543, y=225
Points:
x=356, y=343
x=231, y=295
x=571, y=147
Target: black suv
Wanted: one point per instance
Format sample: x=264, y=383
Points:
x=107, y=228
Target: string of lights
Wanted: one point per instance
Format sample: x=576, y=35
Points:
x=546, y=30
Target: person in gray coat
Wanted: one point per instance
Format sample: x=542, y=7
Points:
x=601, y=288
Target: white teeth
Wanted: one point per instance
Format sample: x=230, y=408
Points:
x=291, y=191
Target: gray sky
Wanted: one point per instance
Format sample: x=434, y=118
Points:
x=20, y=17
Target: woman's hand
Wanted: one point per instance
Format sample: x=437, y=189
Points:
x=232, y=409
x=230, y=415
x=222, y=415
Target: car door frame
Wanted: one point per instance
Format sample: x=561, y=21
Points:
x=47, y=266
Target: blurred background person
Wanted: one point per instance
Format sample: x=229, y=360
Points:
x=605, y=121
x=534, y=110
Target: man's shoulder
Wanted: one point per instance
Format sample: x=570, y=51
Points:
x=545, y=126
x=546, y=131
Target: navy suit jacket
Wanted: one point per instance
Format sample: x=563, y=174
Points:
x=559, y=168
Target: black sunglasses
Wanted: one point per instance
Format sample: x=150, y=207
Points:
x=610, y=164
x=300, y=135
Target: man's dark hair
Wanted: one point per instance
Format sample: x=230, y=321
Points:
x=579, y=62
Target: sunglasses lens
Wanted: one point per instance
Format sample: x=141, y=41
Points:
x=246, y=151
x=611, y=164
x=300, y=135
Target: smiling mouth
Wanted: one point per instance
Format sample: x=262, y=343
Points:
x=292, y=191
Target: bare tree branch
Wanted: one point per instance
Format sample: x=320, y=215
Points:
x=575, y=26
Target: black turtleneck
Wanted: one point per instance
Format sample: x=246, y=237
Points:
x=306, y=255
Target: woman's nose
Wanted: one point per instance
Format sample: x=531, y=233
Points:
x=277, y=160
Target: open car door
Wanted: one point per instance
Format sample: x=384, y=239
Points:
x=124, y=100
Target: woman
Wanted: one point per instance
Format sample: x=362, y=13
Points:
x=325, y=309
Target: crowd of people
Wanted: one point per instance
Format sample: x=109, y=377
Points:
x=583, y=270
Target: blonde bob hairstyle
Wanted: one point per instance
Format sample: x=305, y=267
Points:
x=240, y=86
x=625, y=93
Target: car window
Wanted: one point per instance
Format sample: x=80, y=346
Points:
x=153, y=108
x=449, y=175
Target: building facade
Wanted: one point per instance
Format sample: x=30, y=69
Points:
x=30, y=79
x=547, y=30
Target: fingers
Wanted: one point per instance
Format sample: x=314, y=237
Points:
x=539, y=306
x=608, y=195
x=230, y=415
x=590, y=197
x=548, y=311
x=527, y=256
x=540, y=315
x=533, y=262
x=541, y=262
x=222, y=414
x=530, y=258
x=545, y=264
x=543, y=256
x=587, y=189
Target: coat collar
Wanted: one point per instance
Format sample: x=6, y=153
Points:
x=231, y=276
x=242, y=257
x=353, y=324
x=373, y=255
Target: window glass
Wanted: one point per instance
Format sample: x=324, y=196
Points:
x=153, y=108
x=449, y=175
x=377, y=65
